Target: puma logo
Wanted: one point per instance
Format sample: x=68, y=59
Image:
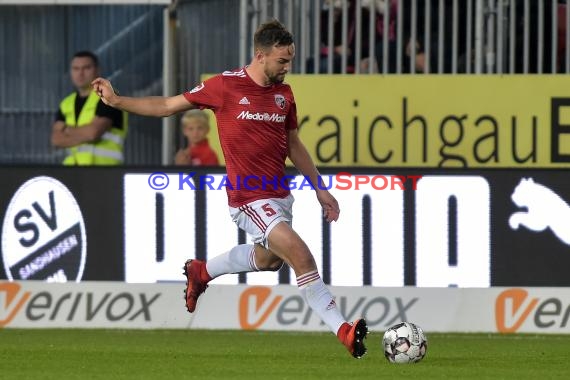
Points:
x=544, y=208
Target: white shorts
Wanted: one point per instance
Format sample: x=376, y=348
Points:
x=259, y=217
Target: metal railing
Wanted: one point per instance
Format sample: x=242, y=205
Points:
x=418, y=36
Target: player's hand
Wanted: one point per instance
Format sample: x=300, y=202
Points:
x=329, y=203
x=105, y=91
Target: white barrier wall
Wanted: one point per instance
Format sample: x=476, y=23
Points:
x=36, y=304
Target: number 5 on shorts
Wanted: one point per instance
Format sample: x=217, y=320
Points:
x=268, y=210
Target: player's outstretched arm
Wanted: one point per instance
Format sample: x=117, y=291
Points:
x=159, y=106
x=304, y=163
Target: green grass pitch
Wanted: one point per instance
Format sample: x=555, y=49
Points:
x=192, y=354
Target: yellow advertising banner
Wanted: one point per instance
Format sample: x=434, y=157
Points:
x=434, y=121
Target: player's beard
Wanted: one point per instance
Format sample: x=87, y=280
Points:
x=275, y=78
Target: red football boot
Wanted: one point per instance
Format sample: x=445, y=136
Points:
x=352, y=336
x=195, y=283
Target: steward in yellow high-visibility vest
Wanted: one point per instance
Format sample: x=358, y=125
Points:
x=93, y=132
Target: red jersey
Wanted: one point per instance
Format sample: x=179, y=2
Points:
x=253, y=125
x=202, y=154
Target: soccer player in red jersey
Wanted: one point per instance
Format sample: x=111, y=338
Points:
x=257, y=122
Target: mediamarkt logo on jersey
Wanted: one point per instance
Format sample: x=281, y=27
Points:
x=274, y=117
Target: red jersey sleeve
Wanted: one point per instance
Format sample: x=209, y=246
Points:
x=291, y=118
x=208, y=94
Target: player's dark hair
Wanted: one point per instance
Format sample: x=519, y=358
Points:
x=271, y=33
x=87, y=54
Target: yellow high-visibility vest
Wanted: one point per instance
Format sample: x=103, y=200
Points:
x=108, y=150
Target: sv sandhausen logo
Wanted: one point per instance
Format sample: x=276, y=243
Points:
x=43, y=234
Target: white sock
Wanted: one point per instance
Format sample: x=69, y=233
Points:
x=320, y=299
x=237, y=260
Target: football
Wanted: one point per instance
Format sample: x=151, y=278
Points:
x=404, y=343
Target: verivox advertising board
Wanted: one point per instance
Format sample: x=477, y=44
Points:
x=473, y=121
x=425, y=228
x=35, y=304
